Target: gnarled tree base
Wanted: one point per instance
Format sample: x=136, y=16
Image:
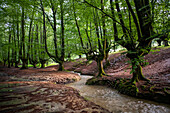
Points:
x=137, y=75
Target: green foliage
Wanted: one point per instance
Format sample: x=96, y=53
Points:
x=137, y=61
x=136, y=27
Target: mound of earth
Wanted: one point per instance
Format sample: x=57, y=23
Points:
x=33, y=74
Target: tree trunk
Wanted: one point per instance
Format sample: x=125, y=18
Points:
x=42, y=64
x=159, y=42
x=107, y=62
x=16, y=64
x=77, y=25
x=137, y=74
x=61, y=66
x=114, y=24
x=62, y=36
x=79, y=56
x=13, y=53
x=24, y=64
x=24, y=60
x=9, y=40
x=166, y=43
x=34, y=65
x=5, y=63
x=18, y=47
x=101, y=72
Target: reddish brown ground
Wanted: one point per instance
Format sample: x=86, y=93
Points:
x=33, y=74
x=158, y=71
x=39, y=93
x=158, y=68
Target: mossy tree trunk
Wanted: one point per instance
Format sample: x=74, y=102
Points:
x=101, y=72
x=159, y=42
x=42, y=64
x=24, y=59
x=9, y=48
x=55, y=57
x=18, y=45
x=61, y=66
x=137, y=74
x=166, y=43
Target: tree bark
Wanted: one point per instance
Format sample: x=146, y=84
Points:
x=62, y=38
x=159, y=42
x=4, y=62
x=24, y=60
x=137, y=74
x=77, y=25
x=42, y=64
x=9, y=41
x=18, y=42
x=166, y=43
x=101, y=72
x=61, y=66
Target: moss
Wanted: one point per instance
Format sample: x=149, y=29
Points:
x=86, y=98
x=74, y=79
x=116, y=84
x=151, y=89
x=122, y=85
x=143, y=87
x=126, y=87
x=166, y=92
x=89, y=62
x=102, y=82
x=91, y=81
x=97, y=81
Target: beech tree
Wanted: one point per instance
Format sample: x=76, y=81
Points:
x=137, y=41
x=63, y=28
x=96, y=46
x=59, y=55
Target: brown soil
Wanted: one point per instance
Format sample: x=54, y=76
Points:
x=33, y=74
x=158, y=71
x=41, y=91
x=43, y=97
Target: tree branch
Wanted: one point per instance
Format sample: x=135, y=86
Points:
x=134, y=19
x=106, y=14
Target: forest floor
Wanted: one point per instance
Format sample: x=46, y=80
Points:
x=43, y=90
x=158, y=72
